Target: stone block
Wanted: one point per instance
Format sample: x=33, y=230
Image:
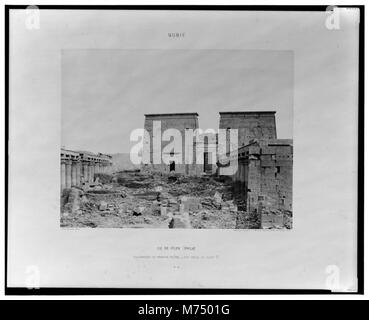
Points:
x=272, y=221
x=268, y=150
x=180, y=221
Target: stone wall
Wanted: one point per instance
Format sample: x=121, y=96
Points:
x=264, y=174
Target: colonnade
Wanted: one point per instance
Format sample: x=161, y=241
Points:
x=78, y=168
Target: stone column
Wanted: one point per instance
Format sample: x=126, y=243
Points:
x=74, y=173
x=239, y=176
x=90, y=176
x=62, y=174
x=68, y=173
x=239, y=171
x=254, y=183
x=85, y=171
x=93, y=171
x=242, y=174
x=88, y=172
x=78, y=173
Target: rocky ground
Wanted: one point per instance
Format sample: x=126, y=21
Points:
x=138, y=200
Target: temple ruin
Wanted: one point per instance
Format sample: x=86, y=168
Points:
x=264, y=174
x=80, y=167
x=177, y=193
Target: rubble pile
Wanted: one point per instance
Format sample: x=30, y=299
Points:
x=142, y=200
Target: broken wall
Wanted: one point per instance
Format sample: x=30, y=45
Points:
x=265, y=174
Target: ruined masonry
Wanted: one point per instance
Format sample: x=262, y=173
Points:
x=264, y=175
x=199, y=193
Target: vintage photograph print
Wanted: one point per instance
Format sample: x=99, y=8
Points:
x=196, y=139
x=202, y=149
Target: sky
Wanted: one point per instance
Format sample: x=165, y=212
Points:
x=106, y=92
